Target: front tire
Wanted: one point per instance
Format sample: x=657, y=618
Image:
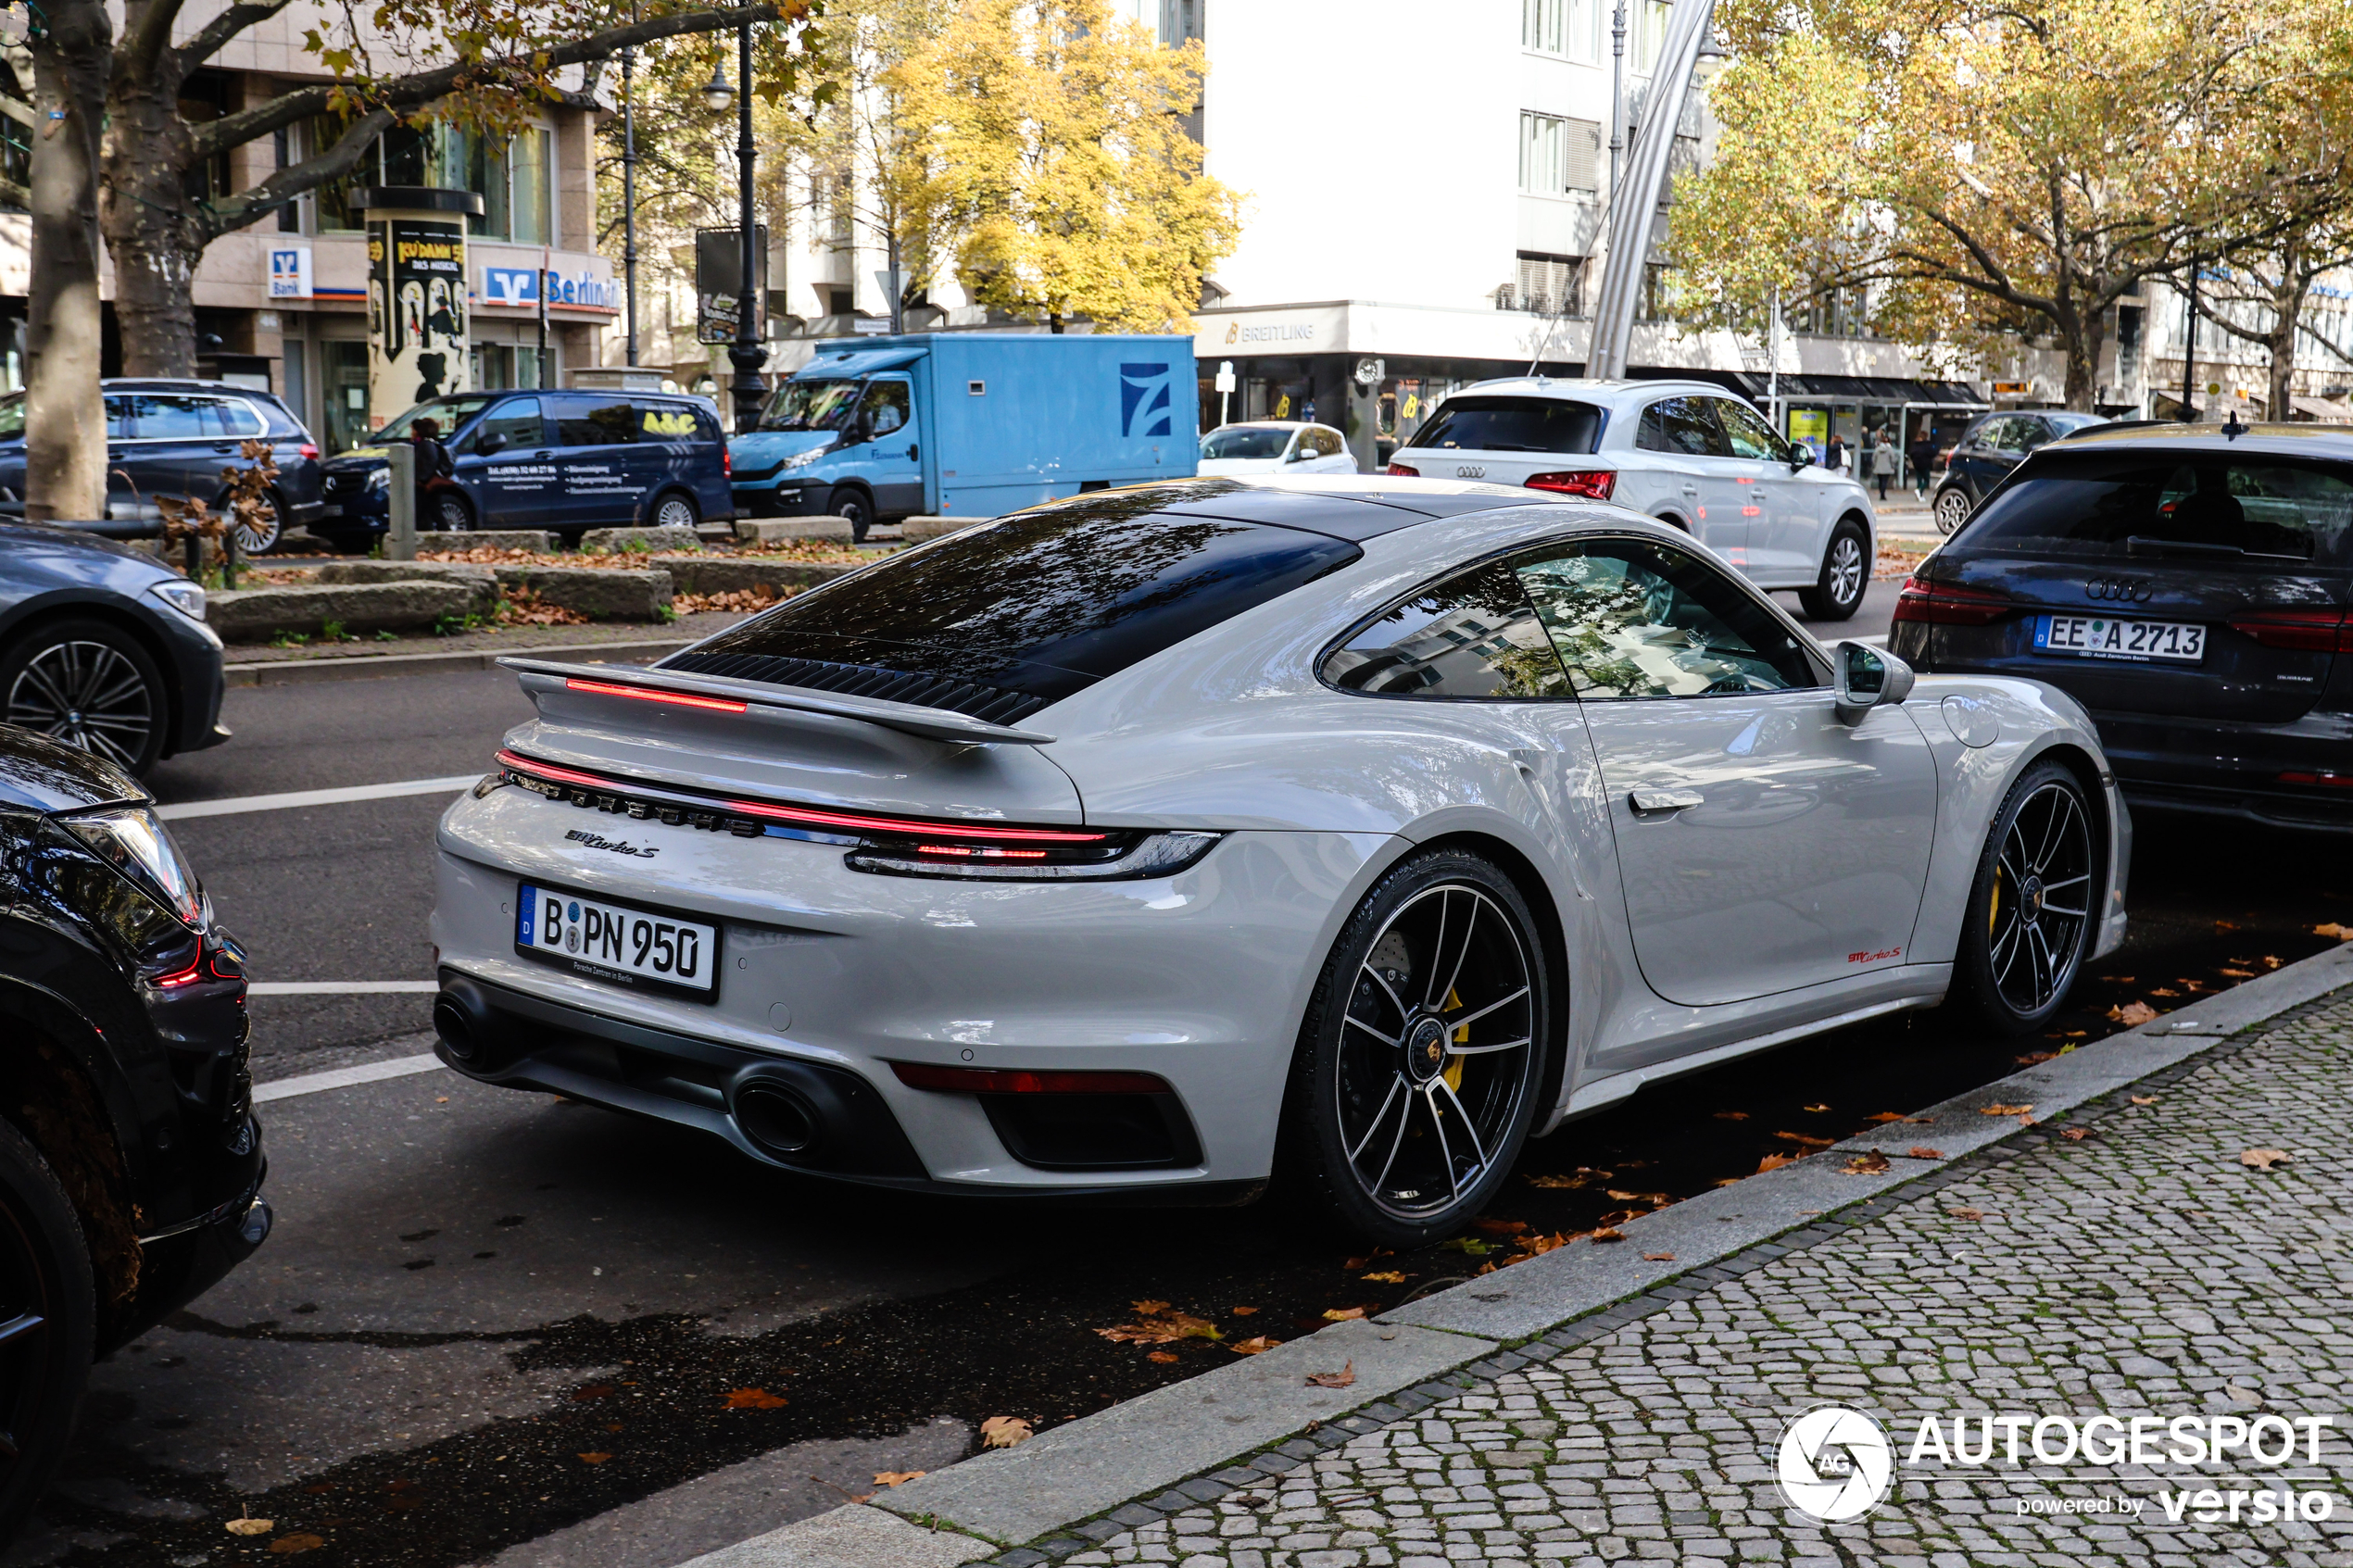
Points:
x=854, y=508
x=1421, y=1059
x=2033, y=906
x=1952, y=508
x=1846, y=570
x=452, y=514
x=48, y=1326
x=90, y=686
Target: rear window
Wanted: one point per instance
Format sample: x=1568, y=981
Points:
x=1007, y=617
x=1513, y=424
x=1244, y=441
x=2203, y=505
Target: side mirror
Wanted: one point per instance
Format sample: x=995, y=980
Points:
x=1298, y=455
x=490, y=443
x=1800, y=457
x=1866, y=678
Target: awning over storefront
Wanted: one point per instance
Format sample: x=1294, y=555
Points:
x=1755, y=386
x=2326, y=411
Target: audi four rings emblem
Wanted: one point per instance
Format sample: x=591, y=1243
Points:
x=2120, y=588
x=1470, y=470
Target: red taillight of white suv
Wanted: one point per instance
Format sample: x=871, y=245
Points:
x=1403, y=471
x=1594, y=485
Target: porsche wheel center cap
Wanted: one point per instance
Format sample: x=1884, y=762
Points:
x=2030, y=892
x=1426, y=1049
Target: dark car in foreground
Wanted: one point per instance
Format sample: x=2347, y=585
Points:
x=567, y=461
x=1989, y=449
x=174, y=438
x=104, y=648
x=131, y=1164
x=2189, y=585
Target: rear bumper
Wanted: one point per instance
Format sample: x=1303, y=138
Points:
x=2275, y=773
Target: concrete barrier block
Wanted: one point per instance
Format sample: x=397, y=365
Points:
x=648, y=540
x=734, y=574
x=253, y=615
x=481, y=580
x=776, y=530
x=599, y=593
x=489, y=539
x=915, y=530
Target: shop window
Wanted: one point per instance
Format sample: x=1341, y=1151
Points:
x=343, y=375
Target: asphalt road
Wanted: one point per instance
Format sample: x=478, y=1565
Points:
x=495, y=1327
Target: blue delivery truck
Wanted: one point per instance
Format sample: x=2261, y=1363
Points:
x=967, y=425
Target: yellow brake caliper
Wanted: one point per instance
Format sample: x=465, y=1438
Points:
x=1454, y=1073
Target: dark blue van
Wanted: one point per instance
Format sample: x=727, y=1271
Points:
x=562, y=460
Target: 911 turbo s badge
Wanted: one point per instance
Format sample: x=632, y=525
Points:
x=619, y=846
x=1884, y=954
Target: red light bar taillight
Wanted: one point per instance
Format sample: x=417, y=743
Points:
x=649, y=694
x=2332, y=781
x=1401, y=471
x=1016, y=1081
x=1594, y=485
x=1941, y=604
x=2310, y=630
x=727, y=463
x=306, y=450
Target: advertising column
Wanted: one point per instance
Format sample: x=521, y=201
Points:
x=417, y=283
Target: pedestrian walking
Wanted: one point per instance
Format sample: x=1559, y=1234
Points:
x=1834, y=455
x=1884, y=462
x=1923, y=456
x=433, y=467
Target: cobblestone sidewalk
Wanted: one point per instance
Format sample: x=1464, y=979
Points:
x=2143, y=1270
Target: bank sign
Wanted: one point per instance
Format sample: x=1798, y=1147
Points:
x=519, y=286
x=290, y=272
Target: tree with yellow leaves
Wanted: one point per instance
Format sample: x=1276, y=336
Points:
x=1048, y=138
x=1985, y=168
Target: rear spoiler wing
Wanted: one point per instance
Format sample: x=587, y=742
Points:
x=907, y=718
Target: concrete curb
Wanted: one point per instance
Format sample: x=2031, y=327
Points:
x=1161, y=1452
x=371, y=667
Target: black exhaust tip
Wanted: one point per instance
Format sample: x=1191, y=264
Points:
x=460, y=1020
x=777, y=1118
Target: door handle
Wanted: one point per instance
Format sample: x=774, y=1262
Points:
x=538, y=455
x=1691, y=489
x=1645, y=800
x=913, y=452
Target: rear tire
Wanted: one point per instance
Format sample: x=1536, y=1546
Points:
x=90, y=686
x=2033, y=906
x=675, y=510
x=1952, y=508
x=44, y=1277
x=1421, y=1059
x=268, y=534
x=1846, y=572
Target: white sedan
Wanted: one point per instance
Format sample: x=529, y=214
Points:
x=1687, y=453
x=1266, y=447
x=1171, y=836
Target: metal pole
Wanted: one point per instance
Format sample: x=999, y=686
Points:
x=2189, y=355
x=1773, y=360
x=898, y=288
x=1617, y=92
x=747, y=354
x=629, y=196
x=400, y=537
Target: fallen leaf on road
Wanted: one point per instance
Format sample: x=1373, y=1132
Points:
x=2262, y=1159
x=1243, y=1312
x=1817, y=1109
x=1555, y=1183
x=1340, y=1379
x=1387, y=1276
x=2144, y=1100
x=2035, y=1058
x=2163, y=991
x=1148, y=1308
x=898, y=1477
x=2236, y=974
x=1871, y=1162
x=1805, y=1141
x=1535, y=1246
x=1367, y=1258
x=2003, y=1110
x=1500, y=1227
x=2131, y=1014
x=2226, y=925
x=1886, y=1116
x=1342, y=1314
x=1967, y=1213
x=1731, y=1116
x=1468, y=1245
x=1608, y=1234
x=2269, y=962
x=1255, y=1345
x=1656, y=1199
x=287, y=1546
x=1617, y=1217
x=755, y=1400
x=2342, y=933
x=1003, y=1431
x=1162, y=1357
x=592, y=1459
x=2075, y=1135
x=1658, y=1256
x=1775, y=1162
x=1728, y=1180
x=1164, y=1329
x=1921, y=1151
x=252, y=1526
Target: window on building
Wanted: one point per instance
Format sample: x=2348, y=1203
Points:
x=1572, y=28
x=532, y=157
x=1651, y=304
x=1551, y=285
x=513, y=178
x=1543, y=154
x=1650, y=30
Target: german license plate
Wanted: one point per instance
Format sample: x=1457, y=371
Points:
x=2096, y=636
x=621, y=944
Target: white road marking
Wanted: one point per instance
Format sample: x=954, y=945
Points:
x=293, y=799
x=344, y=1077
x=341, y=987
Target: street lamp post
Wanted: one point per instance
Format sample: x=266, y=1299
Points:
x=747, y=352
x=629, y=197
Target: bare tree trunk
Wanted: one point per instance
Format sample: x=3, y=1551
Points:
x=2287, y=305
x=64, y=417
x=152, y=229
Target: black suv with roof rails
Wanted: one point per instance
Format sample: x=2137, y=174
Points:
x=2189, y=585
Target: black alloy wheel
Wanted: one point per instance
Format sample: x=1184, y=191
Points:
x=451, y=514
x=1846, y=570
x=2033, y=909
x=1420, y=1064
x=48, y=1324
x=89, y=686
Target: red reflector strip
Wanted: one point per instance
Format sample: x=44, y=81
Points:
x=647, y=694
x=2332, y=781
x=2313, y=630
x=810, y=816
x=985, y=852
x=1015, y=1081
x=187, y=976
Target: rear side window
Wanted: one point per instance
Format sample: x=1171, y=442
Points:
x=1513, y=424
x=1474, y=636
x=1004, y=618
x=580, y=423
x=666, y=422
x=2201, y=505
x=1682, y=426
